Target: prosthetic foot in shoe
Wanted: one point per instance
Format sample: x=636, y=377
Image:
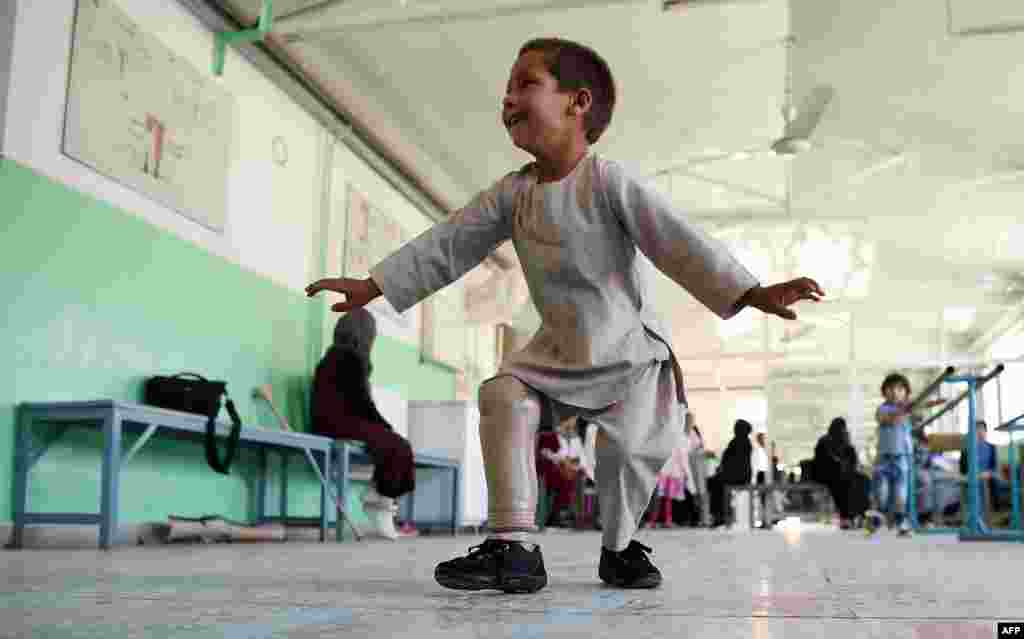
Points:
x=508, y=566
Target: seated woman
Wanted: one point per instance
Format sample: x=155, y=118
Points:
x=343, y=409
x=734, y=470
x=559, y=458
x=835, y=466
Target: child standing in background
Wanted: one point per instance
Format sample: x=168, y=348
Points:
x=895, y=450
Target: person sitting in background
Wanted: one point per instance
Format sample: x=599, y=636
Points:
x=697, y=481
x=671, y=485
x=999, y=488
x=835, y=464
x=342, y=408
x=559, y=458
x=924, y=495
x=986, y=452
x=760, y=464
x=587, y=432
x=761, y=469
x=734, y=470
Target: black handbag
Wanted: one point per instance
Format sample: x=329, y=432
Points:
x=193, y=393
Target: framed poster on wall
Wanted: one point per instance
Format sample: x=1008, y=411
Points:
x=145, y=117
x=370, y=236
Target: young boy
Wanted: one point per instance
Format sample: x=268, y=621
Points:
x=576, y=221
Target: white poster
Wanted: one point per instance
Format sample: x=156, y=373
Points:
x=370, y=236
x=139, y=114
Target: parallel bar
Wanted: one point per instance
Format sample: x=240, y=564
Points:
x=972, y=523
x=912, y=476
x=931, y=388
x=981, y=381
x=1010, y=427
x=1015, y=522
x=1012, y=424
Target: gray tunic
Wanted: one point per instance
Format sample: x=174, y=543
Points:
x=577, y=241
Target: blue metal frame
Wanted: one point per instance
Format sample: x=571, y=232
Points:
x=116, y=417
x=345, y=452
x=1011, y=427
x=973, y=527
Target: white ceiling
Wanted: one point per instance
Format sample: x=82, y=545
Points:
x=919, y=157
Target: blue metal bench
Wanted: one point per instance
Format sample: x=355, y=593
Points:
x=117, y=417
x=346, y=452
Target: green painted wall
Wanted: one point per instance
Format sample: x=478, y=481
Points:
x=96, y=300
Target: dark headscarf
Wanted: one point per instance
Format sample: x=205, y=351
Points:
x=735, y=467
x=838, y=432
x=354, y=334
x=834, y=455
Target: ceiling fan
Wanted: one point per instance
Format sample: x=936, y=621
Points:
x=799, y=125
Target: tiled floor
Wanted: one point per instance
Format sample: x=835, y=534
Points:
x=792, y=583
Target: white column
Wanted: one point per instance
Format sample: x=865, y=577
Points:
x=7, y=19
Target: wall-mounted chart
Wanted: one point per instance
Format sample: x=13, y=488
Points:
x=370, y=236
x=143, y=116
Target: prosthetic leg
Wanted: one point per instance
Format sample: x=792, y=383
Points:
x=509, y=419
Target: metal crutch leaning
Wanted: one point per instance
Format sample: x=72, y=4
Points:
x=264, y=392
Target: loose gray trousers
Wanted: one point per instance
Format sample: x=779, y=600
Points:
x=631, y=449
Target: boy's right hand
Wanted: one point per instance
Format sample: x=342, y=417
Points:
x=357, y=293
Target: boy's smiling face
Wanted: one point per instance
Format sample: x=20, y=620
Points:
x=538, y=116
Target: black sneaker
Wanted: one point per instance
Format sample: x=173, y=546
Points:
x=629, y=568
x=495, y=565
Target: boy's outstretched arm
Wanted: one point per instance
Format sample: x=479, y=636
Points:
x=700, y=264
x=775, y=299
x=432, y=260
x=357, y=293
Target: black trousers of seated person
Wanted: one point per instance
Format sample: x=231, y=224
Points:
x=850, y=493
x=716, y=495
x=686, y=512
x=394, y=472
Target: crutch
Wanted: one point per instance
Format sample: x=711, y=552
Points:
x=264, y=392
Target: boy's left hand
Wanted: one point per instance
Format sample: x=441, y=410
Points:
x=775, y=298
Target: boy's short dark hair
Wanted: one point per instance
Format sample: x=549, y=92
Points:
x=576, y=66
x=895, y=379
